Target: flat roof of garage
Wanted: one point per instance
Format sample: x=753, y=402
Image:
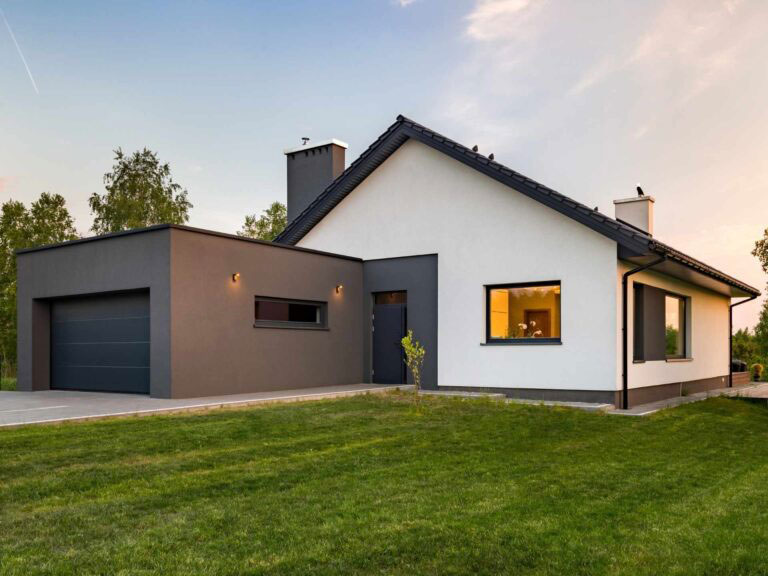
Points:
x=186, y=229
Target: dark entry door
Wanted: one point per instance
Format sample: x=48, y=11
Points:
x=389, y=322
x=101, y=343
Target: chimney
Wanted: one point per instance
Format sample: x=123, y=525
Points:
x=636, y=211
x=311, y=168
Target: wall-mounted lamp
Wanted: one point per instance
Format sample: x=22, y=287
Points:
x=339, y=288
x=235, y=276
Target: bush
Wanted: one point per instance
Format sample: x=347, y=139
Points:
x=757, y=372
x=414, y=357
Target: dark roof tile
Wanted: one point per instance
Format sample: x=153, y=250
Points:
x=369, y=160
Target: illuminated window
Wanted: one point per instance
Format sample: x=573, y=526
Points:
x=282, y=313
x=523, y=312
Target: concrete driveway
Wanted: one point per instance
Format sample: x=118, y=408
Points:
x=20, y=408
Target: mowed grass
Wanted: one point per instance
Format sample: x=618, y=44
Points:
x=374, y=485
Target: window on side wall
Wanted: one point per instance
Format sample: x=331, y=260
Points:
x=523, y=313
x=661, y=321
x=284, y=313
x=674, y=326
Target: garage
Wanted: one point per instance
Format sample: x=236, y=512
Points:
x=101, y=343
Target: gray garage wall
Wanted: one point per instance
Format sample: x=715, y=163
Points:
x=122, y=262
x=417, y=275
x=216, y=348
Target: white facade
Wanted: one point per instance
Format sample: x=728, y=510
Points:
x=420, y=201
x=707, y=340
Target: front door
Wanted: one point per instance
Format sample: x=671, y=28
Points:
x=389, y=325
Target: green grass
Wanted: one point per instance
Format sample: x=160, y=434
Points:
x=371, y=485
x=7, y=383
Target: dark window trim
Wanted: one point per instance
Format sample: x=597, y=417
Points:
x=517, y=341
x=685, y=356
x=683, y=325
x=322, y=324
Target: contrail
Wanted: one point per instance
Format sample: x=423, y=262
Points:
x=21, y=54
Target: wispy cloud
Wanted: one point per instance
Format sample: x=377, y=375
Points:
x=590, y=97
x=404, y=3
x=494, y=19
x=21, y=54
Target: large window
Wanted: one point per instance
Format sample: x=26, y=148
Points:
x=661, y=324
x=282, y=313
x=523, y=313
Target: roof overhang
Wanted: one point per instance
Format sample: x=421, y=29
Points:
x=682, y=269
x=633, y=244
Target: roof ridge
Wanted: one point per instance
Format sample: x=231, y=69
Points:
x=635, y=241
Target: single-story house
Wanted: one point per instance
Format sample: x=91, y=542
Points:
x=509, y=285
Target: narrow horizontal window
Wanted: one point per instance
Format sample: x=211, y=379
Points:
x=283, y=313
x=523, y=312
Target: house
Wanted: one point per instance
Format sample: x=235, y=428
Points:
x=509, y=285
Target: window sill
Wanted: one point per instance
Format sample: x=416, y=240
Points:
x=524, y=342
x=673, y=360
x=297, y=327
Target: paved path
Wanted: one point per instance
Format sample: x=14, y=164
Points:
x=49, y=406
x=754, y=390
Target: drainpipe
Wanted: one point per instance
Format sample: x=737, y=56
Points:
x=730, y=338
x=624, y=316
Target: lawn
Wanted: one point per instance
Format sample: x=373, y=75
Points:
x=7, y=384
x=372, y=485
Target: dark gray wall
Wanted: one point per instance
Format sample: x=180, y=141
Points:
x=309, y=173
x=216, y=348
x=650, y=317
x=126, y=262
x=417, y=275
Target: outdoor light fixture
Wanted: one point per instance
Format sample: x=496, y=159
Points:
x=339, y=288
x=235, y=276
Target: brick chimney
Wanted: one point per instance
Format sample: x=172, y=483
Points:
x=311, y=168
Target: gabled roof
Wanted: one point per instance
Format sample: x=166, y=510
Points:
x=631, y=241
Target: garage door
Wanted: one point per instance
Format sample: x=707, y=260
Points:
x=101, y=343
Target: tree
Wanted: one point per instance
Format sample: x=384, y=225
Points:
x=47, y=221
x=140, y=192
x=761, y=251
x=267, y=226
x=761, y=330
x=745, y=346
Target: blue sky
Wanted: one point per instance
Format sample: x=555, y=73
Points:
x=587, y=97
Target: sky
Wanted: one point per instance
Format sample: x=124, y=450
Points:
x=588, y=97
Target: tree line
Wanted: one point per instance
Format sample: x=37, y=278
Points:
x=751, y=345
x=139, y=191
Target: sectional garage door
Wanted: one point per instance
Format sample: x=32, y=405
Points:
x=101, y=343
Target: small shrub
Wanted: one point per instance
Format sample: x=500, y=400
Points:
x=757, y=372
x=414, y=358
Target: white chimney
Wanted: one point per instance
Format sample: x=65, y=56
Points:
x=636, y=211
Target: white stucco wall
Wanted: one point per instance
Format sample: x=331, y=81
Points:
x=420, y=201
x=708, y=334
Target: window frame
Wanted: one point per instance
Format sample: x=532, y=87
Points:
x=686, y=321
x=490, y=341
x=321, y=324
x=683, y=324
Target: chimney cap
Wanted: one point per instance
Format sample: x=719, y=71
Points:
x=311, y=145
x=635, y=199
